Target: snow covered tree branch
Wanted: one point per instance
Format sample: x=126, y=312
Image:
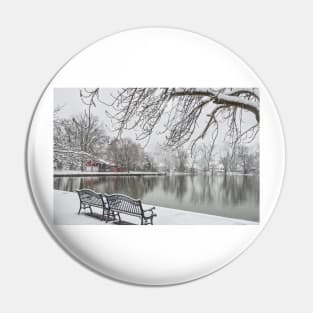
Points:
x=176, y=112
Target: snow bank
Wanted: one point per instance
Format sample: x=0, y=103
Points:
x=66, y=205
x=81, y=173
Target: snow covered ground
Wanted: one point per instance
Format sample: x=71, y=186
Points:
x=81, y=173
x=66, y=205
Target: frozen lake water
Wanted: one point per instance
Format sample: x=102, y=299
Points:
x=234, y=196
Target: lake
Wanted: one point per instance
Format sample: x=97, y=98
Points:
x=235, y=196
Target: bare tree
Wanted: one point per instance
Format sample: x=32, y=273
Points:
x=246, y=159
x=225, y=159
x=166, y=158
x=195, y=157
x=83, y=135
x=148, y=162
x=181, y=160
x=206, y=151
x=124, y=152
x=83, y=132
x=181, y=108
x=88, y=132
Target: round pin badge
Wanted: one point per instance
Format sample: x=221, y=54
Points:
x=155, y=156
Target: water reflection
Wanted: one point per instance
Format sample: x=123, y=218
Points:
x=176, y=185
x=231, y=196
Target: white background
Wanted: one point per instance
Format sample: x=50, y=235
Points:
x=274, y=274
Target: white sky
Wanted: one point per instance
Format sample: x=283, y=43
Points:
x=70, y=99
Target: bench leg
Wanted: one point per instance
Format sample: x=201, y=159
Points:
x=109, y=213
x=80, y=207
x=148, y=221
x=116, y=214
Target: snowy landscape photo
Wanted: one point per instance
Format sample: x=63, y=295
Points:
x=156, y=156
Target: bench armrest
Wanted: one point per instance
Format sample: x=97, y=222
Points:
x=150, y=211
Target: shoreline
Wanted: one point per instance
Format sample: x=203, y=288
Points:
x=98, y=174
x=132, y=173
x=66, y=205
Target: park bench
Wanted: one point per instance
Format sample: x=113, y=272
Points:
x=122, y=204
x=89, y=198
